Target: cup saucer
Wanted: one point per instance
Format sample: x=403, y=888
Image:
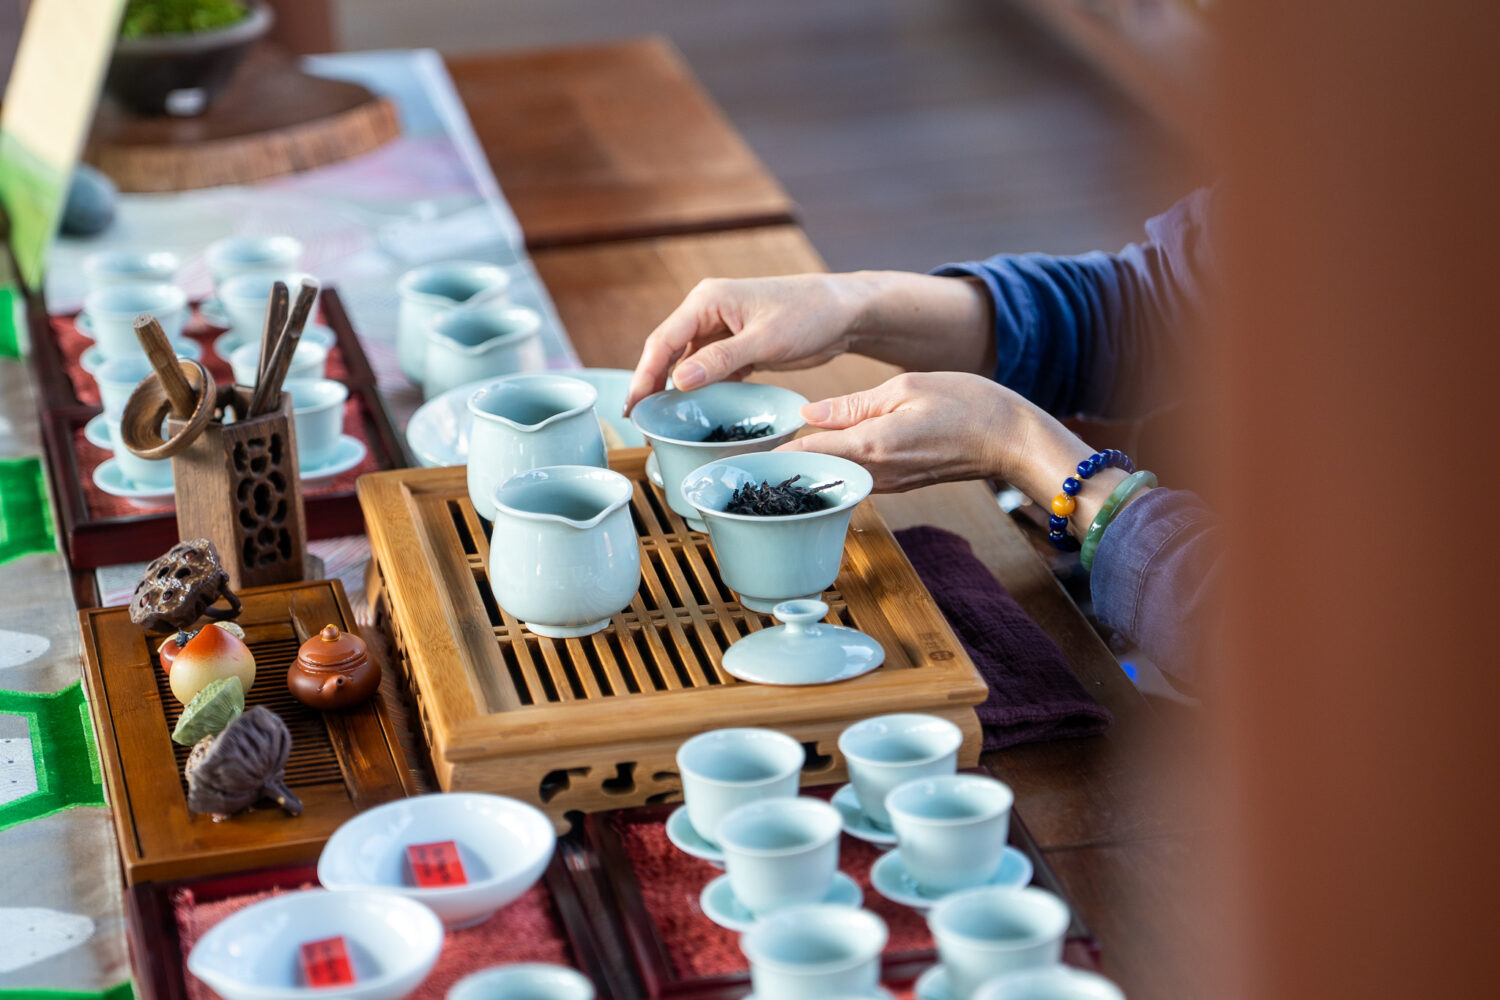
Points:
x=96, y=433
x=933, y=985
x=686, y=838
x=109, y=478
x=653, y=471
x=719, y=904
x=93, y=358
x=889, y=877
x=857, y=822
x=881, y=993
x=348, y=453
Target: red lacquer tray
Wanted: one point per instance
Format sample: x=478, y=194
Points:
x=101, y=530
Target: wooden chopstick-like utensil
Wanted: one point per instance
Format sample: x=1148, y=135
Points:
x=276, y=311
x=268, y=390
x=164, y=360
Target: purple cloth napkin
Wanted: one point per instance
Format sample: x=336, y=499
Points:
x=1033, y=694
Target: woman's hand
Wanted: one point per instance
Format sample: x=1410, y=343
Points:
x=727, y=328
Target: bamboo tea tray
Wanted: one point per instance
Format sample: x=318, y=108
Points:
x=341, y=762
x=581, y=725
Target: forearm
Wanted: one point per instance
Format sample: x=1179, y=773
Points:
x=923, y=323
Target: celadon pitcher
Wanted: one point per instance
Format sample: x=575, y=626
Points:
x=469, y=343
x=564, y=555
x=428, y=291
x=528, y=421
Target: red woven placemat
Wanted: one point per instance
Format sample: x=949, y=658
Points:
x=527, y=930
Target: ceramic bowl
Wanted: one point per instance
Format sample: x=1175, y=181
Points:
x=767, y=560
x=504, y=845
x=524, y=981
x=236, y=255
x=181, y=74
x=254, y=954
x=309, y=360
x=438, y=433
x=129, y=267
x=676, y=422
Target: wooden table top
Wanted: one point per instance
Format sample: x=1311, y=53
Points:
x=1106, y=810
x=610, y=142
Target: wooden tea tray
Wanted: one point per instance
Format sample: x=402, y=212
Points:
x=341, y=762
x=594, y=723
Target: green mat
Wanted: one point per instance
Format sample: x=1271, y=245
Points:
x=25, y=514
x=63, y=751
x=119, y=991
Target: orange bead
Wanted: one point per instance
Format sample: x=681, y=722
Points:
x=1063, y=505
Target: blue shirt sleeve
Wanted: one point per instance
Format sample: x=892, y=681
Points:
x=1100, y=334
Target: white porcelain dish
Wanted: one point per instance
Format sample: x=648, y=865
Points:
x=438, y=433
x=392, y=943
x=504, y=846
x=347, y=454
x=109, y=478
x=857, y=822
x=720, y=904
x=889, y=877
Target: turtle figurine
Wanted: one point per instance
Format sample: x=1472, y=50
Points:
x=182, y=586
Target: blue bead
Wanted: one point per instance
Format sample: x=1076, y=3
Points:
x=1071, y=486
x=1057, y=523
x=1085, y=469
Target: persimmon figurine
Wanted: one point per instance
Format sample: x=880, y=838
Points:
x=211, y=654
x=173, y=644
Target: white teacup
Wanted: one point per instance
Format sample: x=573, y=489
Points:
x=145, y=473
x=814, y=952
x=1055, y=982
x=951, y=829
x=309, y=360
x=725, y=768
x=431, y=290
x=780, y=852
x=890, y=750
x=236, y=255
x=117, y=378
x=523, y=981
x=318, y=415
x=245, y=298
x=982, y=933
x=113, y=310
x=129, y=267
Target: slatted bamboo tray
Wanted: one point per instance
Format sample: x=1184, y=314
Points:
x=594, y=723
x=341, y=762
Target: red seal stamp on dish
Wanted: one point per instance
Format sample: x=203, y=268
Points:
x=436, y=865
x=326, y=963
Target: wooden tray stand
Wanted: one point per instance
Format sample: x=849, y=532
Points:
x=594, y=723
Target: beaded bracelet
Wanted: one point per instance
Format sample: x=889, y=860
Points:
x=1063, y=504
x=1138, y=482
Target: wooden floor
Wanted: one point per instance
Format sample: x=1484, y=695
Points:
x=911, y=133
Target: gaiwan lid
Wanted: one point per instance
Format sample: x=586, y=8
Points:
x=804, y=650
x=332, y=649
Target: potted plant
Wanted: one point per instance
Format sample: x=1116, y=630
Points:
x=174, y=56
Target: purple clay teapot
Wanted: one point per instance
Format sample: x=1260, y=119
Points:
x=333, y=670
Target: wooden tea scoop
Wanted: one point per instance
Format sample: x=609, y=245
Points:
x=276, y=311
x=159, y=352
x=268, y=390
x=149, y=404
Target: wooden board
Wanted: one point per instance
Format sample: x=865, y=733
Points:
x=340, y=763
x=612, y=142
x=594, y=723
x=272, y=120
x=93, y=540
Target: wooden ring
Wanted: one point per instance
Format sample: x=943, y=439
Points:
x=148, y=406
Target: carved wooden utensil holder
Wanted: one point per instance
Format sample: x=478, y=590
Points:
x=237, y=484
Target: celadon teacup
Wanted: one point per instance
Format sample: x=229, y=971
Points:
x=526, y=422
x=474, y=342
x=145, y=473
x=724, y=769
x=245, y=297
x=432, y=289
x=117, y=378
x=780, y=852
x=236, y=255
x=815, y=952
x=676, y=422
x=886, y=751
x=309, y=360
x=318, y=416
x=767, y=560
x=1053, y=982
x=523, y=981
x=113, y=309
x=563, y=554
x=951, y=830
x=129, y=267
x=982, y=933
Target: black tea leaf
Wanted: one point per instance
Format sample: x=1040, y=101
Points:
x=780, y=500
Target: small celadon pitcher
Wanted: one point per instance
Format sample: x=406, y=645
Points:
x=527, y=421
x=433, y=289
x=474, y=342
x=564, y=555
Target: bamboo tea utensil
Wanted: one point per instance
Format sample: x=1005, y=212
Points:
x=159, y=352
x=276, y=312
x=267, y=394
x=178, y=386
